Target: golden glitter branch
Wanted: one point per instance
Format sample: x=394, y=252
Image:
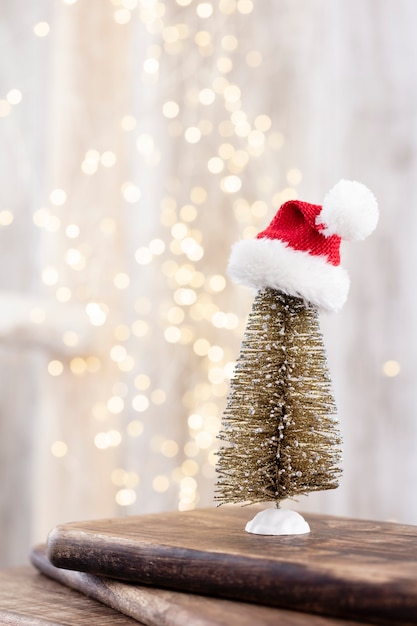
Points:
x=279, y=425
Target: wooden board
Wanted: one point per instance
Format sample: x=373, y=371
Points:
x=29, y=598
x=347, y=568
x=162, y=607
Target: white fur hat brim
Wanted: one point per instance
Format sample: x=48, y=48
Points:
x=260, y=263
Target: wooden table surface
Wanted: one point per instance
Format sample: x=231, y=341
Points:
x=29, y=598
x=344, y=568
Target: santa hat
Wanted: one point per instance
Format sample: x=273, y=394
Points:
x=299, y=252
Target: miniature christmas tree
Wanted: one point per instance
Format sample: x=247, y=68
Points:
x=280, y=430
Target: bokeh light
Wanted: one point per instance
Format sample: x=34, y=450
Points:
x=145, y=270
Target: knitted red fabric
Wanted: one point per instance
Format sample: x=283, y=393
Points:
x=295, y=224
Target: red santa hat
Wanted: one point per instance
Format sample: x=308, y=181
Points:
x=299, y=252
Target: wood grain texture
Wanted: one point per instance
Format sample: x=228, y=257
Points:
x=163, y=607
x=29, y=598
x=353, y=569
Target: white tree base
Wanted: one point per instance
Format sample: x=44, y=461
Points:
x=277, y=522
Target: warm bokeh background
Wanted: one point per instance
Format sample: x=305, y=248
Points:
x=139, y=140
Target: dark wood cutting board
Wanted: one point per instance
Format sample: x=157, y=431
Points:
x=346, y=568
x=163, y=607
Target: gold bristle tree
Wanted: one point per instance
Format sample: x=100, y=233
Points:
x=280, y=433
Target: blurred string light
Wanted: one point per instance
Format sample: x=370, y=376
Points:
x=41, y=29
x=59, y=449
x=210, y=116
x=6, y=217
x=391, y=369
x=13, y=98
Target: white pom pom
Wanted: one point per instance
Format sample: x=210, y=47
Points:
x=350, y=210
